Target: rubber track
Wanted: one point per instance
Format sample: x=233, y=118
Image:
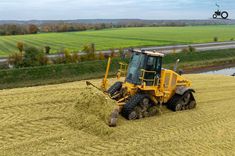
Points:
x=173, y=101
x=131, y=104
x=114, y=88
x=171, y=104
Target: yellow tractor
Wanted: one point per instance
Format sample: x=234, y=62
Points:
x=147, y=86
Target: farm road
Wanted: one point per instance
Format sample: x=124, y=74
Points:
x=166, y=49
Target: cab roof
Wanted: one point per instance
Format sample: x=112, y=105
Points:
x=150, y=53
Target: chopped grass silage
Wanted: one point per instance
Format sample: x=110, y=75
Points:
x=50, y=120
x=91, y=112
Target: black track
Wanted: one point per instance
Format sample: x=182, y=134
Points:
x=173, y=101
x=176, y=98
x=131, y=104
x=114, y=88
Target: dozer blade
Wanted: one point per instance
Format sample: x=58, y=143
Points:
x=112, y=121
x=113, y=118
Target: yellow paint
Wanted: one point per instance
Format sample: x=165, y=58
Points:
x=161, y=90
x=122, y=70
x=104, y=84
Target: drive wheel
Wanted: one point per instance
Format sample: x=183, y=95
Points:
x=214, y=16
x=224, y=14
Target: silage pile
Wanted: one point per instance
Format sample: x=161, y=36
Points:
x=91, y=112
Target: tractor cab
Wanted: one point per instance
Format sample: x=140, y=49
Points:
x=144, y=66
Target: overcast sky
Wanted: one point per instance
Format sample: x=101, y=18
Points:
x=111, y=9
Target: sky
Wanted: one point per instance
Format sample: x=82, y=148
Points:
x=111, y=9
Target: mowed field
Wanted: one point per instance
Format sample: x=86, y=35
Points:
x=120, y=38
x=36, y=121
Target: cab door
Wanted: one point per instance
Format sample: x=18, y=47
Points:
x=153, y=65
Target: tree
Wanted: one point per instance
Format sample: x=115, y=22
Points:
x=20, y=46
x=32, y=29
x=68, y=56
x=90, y=51
x=34, y=57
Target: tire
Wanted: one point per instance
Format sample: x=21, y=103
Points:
x=214, y=16
x=224, y=14
x=114, y=88
x=129, y=107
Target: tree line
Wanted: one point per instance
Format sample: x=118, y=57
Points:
x=21, y=29
x=17, y=29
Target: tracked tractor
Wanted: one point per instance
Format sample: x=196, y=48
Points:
x=148, y=86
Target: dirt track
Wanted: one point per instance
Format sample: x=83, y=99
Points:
x=33, y=122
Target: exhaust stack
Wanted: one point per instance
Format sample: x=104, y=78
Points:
x=176, y=65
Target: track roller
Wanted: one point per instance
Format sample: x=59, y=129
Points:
x=182, y=102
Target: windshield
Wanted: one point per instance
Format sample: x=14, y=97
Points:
x=134, y=69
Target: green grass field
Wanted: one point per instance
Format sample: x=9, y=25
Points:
x=122, y=37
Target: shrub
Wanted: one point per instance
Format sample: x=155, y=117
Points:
x=16, y=60
x=232, y=39
x=191, y=49
x=112, y=50
x=47, y=49
x=59, y=59
x=75, y=58
x=106, y=55
x=101, y=56
x=121, y=52
x=216, y=39
x=90, y=51
x=20, y=46
x=43, y=60
x=34, y=57
x=83, y=58
x=185, y=50
x=67, y=56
